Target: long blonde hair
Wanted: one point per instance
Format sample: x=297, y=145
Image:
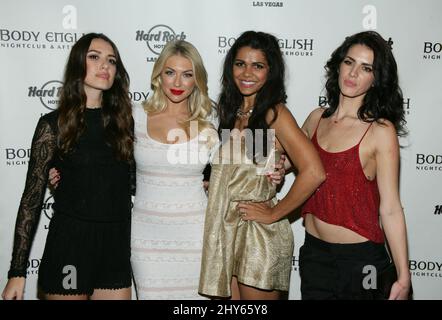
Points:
x=199, y=104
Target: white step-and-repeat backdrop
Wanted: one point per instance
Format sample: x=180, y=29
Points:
x=36, y=36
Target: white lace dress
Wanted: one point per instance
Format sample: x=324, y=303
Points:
x=168, y=215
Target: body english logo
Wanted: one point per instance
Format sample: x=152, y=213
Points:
x=138, y=96
x=157, y=37
x=289, y=46
x=299, y=47
x=425, y=268
x=32, y=266
x=17, y=156
x=48, y=93
x=33, y=39
x=432, y=50
x=429, y=162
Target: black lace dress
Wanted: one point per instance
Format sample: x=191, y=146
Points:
x=88, y=242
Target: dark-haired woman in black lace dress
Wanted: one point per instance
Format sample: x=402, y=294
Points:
x=89, y=139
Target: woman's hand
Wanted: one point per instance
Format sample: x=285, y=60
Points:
x=14, y=289
x=260, y=212
x=54, y=178
x=400, y=290
x=277, y=176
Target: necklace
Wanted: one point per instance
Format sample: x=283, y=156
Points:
x=242, y=114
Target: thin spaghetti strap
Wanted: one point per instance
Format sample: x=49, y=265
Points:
x=365, y=133
x=317, y=126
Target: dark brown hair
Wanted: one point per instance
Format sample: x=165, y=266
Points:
x=116, y=104
x=384, y=100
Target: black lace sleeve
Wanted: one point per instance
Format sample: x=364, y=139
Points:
x=42, y=153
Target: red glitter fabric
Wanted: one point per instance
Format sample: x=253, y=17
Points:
x=346, y=198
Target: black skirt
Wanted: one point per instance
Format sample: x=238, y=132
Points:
x=82, y=255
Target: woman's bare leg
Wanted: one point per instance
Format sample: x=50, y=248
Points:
x=65, y=297
x=251, y=293
x=235, y=289
x=109, y=294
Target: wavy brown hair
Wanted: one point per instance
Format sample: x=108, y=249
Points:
x=116, y=104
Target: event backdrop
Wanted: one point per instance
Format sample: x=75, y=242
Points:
x=36, y=36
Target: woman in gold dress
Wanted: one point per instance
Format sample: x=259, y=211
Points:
x=248, y=241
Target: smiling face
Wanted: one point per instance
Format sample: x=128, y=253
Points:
x=356, y=71
x=100, y=66
x=177, y=78
x=250, y=70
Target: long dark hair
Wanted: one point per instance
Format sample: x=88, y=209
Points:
x=270, y=95
x=384, y=99
x=116, y=104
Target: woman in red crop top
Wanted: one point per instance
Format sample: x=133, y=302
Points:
x=357, y=140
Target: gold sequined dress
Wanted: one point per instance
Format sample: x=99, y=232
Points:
x=259, y=255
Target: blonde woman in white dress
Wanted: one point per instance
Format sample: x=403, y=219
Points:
x=172, y=148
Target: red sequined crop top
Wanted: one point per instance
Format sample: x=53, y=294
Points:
x=346, y=198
